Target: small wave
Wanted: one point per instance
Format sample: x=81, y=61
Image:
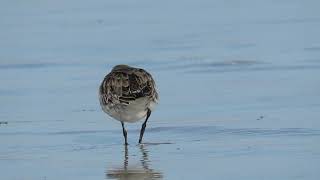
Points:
x=240, y=131
x=27, y=66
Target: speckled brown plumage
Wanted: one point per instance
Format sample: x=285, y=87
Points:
x=125, y=84
x=128, y=94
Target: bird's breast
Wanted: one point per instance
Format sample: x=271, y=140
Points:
x=131, y=112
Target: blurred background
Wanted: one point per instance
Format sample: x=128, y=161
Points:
x=238, y=84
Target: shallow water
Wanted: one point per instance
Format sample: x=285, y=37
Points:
x=238, y=82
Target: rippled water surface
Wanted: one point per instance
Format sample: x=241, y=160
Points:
x=238, y=84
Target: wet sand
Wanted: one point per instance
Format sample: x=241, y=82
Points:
x=238, y=82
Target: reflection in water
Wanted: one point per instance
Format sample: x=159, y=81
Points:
x=134, y=172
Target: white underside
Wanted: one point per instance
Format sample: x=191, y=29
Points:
x=133, y=112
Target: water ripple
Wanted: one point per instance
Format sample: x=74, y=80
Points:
x=239, y=131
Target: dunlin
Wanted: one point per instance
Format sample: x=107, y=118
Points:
x=128, y=94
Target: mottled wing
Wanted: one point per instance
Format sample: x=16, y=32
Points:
x=126, y=85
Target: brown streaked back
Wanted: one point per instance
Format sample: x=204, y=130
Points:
x=124, y=84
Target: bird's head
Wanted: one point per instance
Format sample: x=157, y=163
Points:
x=120, y=66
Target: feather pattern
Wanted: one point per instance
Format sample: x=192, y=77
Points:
x=126, y=93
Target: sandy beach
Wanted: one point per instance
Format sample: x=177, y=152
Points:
x=239, y=87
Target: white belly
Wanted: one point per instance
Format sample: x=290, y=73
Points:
x=133, y=112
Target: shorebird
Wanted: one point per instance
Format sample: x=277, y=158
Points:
x=128, y=94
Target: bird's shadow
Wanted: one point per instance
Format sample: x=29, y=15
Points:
x=142, y=171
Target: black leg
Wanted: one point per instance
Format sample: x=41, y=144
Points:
x=144, y=126
x=124, y=134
